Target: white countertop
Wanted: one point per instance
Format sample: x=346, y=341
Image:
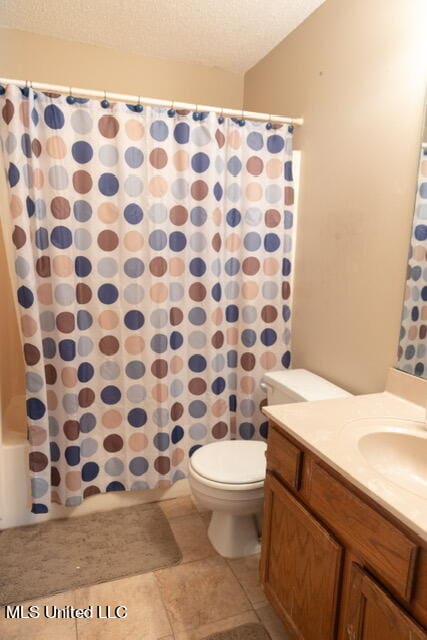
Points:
x=318, y=426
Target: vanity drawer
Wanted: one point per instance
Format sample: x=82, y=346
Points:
x=284, y=458
x=384, y=548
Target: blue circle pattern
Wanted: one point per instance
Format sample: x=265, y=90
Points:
x=82, y=152
x=133, y=213
x=108, y=184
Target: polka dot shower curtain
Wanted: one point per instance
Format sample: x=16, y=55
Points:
x=153, y=256
x=412, y=352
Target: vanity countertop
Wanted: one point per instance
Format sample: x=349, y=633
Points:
x=319, y=425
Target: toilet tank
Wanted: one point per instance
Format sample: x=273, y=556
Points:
x=298, y=385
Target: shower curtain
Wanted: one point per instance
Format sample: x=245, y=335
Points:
x=153, y=262
x=412, y=351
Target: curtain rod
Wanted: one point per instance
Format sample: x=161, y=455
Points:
x=152, y=102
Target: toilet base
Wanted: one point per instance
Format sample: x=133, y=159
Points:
x=234, y=536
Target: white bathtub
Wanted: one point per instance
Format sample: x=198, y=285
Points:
x=14, y=483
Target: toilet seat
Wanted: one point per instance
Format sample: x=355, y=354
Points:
x=227, y=487
x=230, y=465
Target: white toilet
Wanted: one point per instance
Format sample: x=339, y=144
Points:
x=227, y=477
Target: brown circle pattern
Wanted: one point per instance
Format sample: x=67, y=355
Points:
x=71, y=429
x=158, y=267
x=65, y=322
x=43, y=266
x=60, y=208
x=109, y=345
x=108, y=126
x=82, y=181
x=178, y=215
x=108, y=240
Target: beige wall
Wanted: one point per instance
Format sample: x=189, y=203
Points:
x=30, y=56
x=355, y=70
x=44, y=59
x=12, y=386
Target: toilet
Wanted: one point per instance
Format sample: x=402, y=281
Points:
x=227, y=477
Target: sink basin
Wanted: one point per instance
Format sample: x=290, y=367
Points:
x=396, y=449
x=400, y=457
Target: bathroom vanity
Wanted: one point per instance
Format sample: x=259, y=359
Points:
x=344, y=548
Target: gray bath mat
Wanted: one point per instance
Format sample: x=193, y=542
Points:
x=250, y=631
x=60, y=555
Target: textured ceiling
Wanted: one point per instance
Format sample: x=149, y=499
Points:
x=232, y=35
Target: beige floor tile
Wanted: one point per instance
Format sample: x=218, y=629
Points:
x=246, y=571
x=41, y=628
x=273, y=623
x=201, y=509
x=147, y=617
x=178, y=507
x=198, y=593
x=215, y=627
x=191, y=536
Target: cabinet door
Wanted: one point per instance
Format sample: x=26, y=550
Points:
x=300, y=565
x=373, y=615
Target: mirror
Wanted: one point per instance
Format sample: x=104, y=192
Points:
x=412, y=353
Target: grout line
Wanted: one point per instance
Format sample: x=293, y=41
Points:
x=258, y=602
x=259, y=605
x=175, y=566
x=164, y=604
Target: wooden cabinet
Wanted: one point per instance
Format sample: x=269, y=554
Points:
x=371, y=613
x=301, y=565
x=334, y=564
x=388, y=552
x=284, y=459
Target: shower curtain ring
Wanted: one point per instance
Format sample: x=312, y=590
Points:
x=171, y=110
x=221, y=116
x=242, y=119
x=269, y=125
x=26, y=90
x=196, y=114
x=70, y=98
x=35, y=95
x=139, y=107
x=105, y=103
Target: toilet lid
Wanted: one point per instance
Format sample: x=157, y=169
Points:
x=231, y=461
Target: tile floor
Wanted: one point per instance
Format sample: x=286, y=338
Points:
x=202, y=595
